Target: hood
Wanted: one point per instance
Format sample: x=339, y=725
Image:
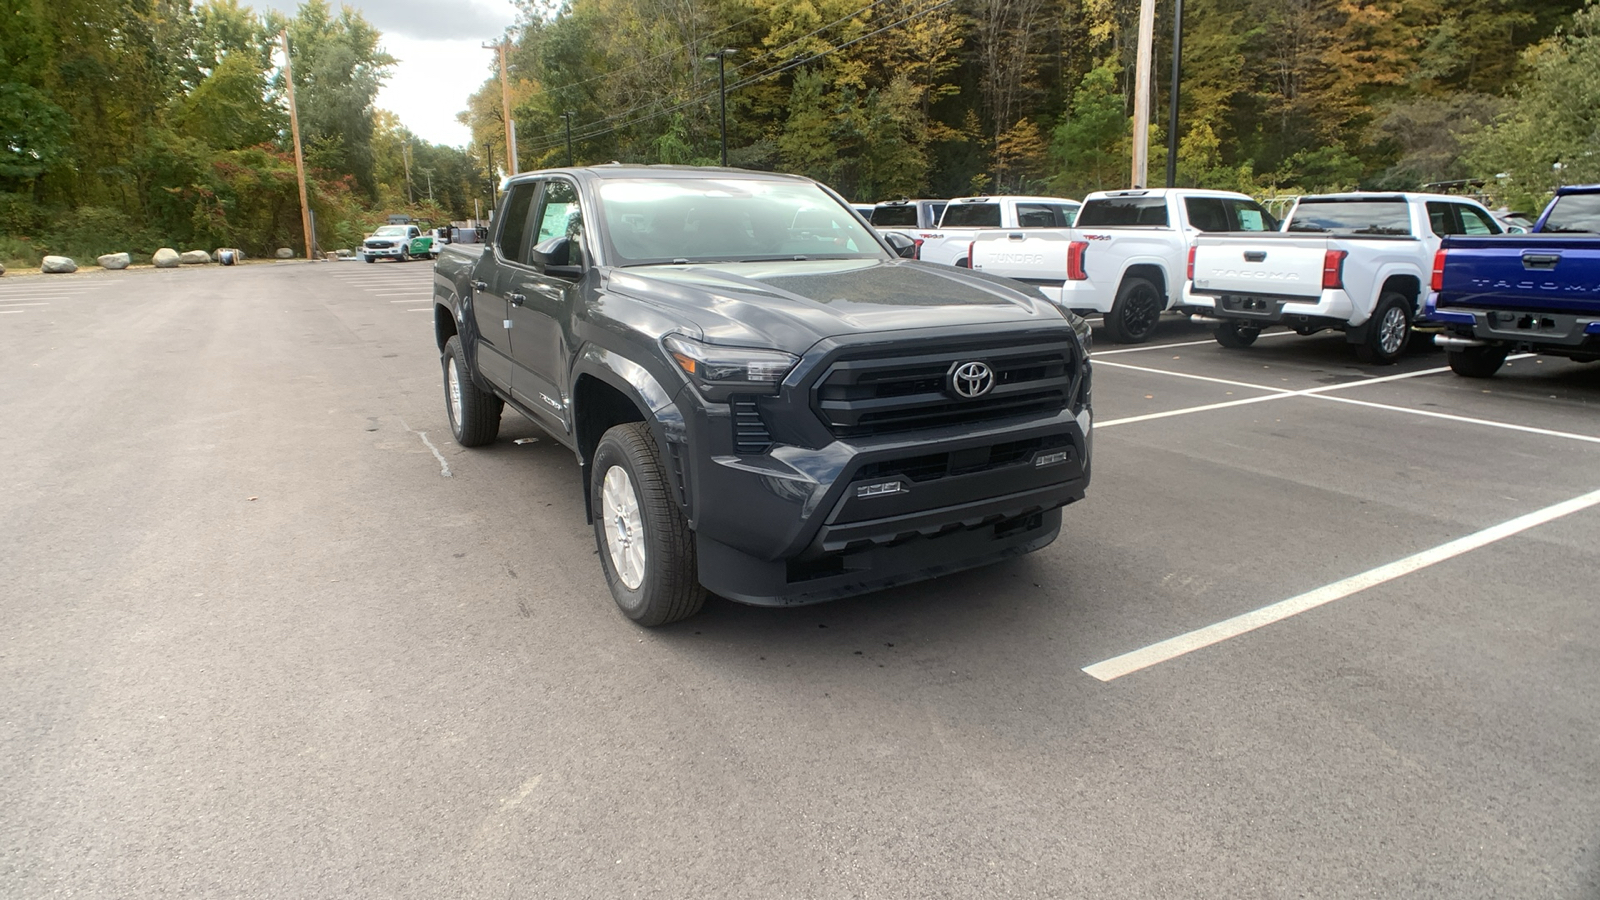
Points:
x=794, y=304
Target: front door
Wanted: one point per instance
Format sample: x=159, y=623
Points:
x=540, y=304
x=488, y=302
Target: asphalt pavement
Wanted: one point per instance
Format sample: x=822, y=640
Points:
x=266, y=631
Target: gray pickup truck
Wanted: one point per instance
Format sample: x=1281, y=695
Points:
x=766, y=399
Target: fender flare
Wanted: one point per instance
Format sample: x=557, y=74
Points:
x=1154, y=262
x=647, y=394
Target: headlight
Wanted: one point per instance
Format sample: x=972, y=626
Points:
x=721, y=371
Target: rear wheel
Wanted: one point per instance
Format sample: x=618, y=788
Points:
x=1388, y=332
x=474, y=414
x=1136, y=311
x=646, y=548
x=1477, y=362
x=1235, y=335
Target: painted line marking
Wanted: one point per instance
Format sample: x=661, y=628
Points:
x=444, y=467
x=1183, y=644
x=4, y=311
x=1147, y=347
x=429, y=309
x=1243, y=384
x=10, y=304
x=428, y=300
x=1527, y=429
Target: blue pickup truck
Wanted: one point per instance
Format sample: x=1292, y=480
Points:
x=1538, y=291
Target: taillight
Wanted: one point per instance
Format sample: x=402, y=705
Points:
x=969, y=254
x=916, y=248
x=1075, y=251
x=1437, y=283
x=1192, y=248
x=1333, y=269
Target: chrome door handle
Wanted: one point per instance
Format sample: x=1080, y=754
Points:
x=480, y=285
x=517, y=299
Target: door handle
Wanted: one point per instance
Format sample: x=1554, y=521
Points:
x=480, y=285
x=517, y=299
x=1016, y=236
x=1540, y=260
x=1255, y=256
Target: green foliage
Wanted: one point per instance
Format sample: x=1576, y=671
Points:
x=1088, y=147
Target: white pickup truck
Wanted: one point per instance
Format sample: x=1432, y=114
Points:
x=1125, y=256
x=1356, y=262
x=965, y=217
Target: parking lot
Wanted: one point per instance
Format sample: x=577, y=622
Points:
x=1319, y=629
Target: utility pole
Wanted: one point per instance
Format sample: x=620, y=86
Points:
x=505, y=107
x=1141, y=93
x=405, y=156
x=568, y=116
x=299, y=160
x=1177, y=77
x=494, y=183
x=721, y=56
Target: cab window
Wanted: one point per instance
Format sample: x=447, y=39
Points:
x=512, y=241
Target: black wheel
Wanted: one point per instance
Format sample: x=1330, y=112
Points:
x=474, y=414
x=1136, y=312
x=372, y=259
x=645, y=546
x=1389, y=331
x=1478, y=362
x=1235, y=334
x=405, y=255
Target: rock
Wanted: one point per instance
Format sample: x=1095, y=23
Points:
x=58, y=265
x=285, y=253
x=114, y=261
x=194, y=258
x=2, y=268
x=347, y=253
x=166, y=258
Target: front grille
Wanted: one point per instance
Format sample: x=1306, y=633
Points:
x=750, y=435
x=859, y=397
x=933, y=466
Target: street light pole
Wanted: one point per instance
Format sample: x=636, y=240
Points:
x=721, y=56
x=568, y=117
x=1177, y=76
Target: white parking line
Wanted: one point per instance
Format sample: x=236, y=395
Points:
x=1528, y=429
x=4, y=311
x=1099, y=353
x=10, y=304
x=1174, y=647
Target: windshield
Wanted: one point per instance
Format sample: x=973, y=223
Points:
x=1575, y=213
x=390, y=231
x=899, y=214
x=971, y=215
x=1352, y=216
x=728, y=220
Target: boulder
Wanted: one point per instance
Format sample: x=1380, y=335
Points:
x=194, y=258
x=114, y=261
x=58, y=265
x=166, y=258
x=285, y=253
x=2, y=268
x=347, y=253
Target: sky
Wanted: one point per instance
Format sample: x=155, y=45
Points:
x=441, y=58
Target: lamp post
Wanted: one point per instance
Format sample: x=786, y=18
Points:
x=1172, y=112
x=721, y=57
x=568, y=117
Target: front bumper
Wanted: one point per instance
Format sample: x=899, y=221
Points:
x=381, y=251
x=798, y=525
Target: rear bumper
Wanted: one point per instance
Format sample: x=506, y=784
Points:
x=1081, y=295
x=1272, y=309
x=1519, y=327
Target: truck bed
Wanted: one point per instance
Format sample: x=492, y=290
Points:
x=1524, y=273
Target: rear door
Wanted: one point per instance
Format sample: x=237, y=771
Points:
x=509, y=247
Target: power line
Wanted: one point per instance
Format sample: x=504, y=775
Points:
x=594, y=132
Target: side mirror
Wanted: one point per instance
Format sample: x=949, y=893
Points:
x=904, y=247
x=555, y=258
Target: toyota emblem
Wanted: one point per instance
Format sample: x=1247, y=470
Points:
x=971, y=380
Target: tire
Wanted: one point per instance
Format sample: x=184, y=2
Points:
x=1477, y=362
x=405, y=255
x=1388, y=332
x=1235, y=335
x=1136, y=312
x=645, y=546
x=474, y=414
x=370, y=259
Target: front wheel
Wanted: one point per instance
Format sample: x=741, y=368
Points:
x=1477, y=362
x=371, y=259
x=405, y=255
x=1235, y=335
x=474, y=414
x=1136, y=311
x=646, y=548
x=1388, y=332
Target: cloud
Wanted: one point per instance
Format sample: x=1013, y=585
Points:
x=481, y=20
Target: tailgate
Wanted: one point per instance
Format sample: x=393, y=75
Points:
x=1034, y=257
x=1554, y=273
x=1261, y=264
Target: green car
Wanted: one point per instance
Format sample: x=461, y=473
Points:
x=399, y=242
